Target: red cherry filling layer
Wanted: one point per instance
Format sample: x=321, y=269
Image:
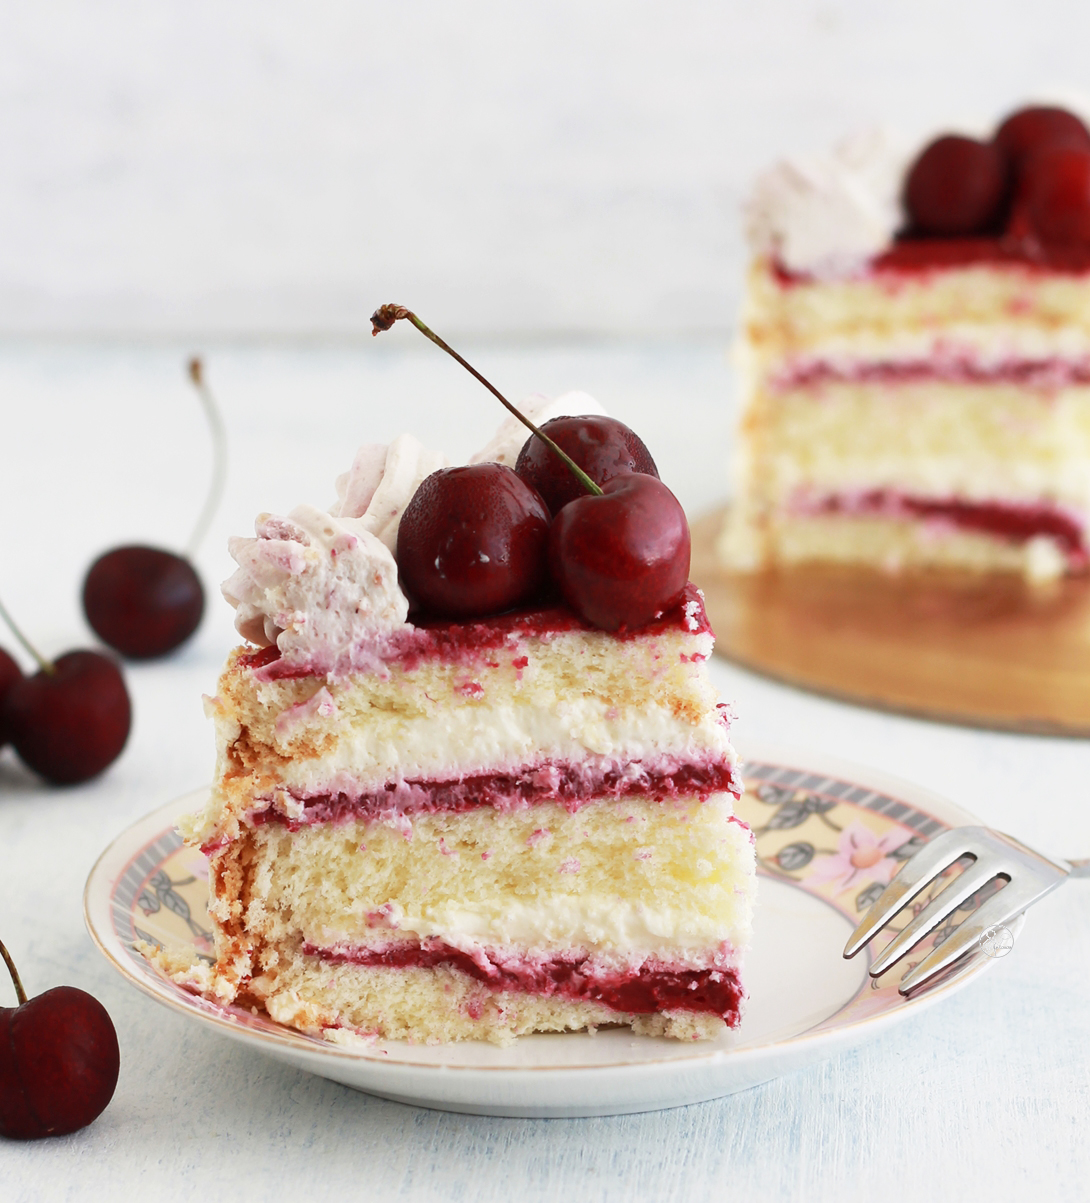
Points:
x=643, y=990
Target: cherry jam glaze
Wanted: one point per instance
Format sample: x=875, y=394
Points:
x=572, y=785
x=652, y=988
x=919, y=255
x=1046, y=375
x=456, y=642
x=1013, y=521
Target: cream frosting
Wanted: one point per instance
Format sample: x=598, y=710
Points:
x=313, y=582
x=381, y=483
x=317, y=584
x=827, y=215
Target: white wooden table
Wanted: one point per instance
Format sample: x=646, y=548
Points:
x=985, y=1094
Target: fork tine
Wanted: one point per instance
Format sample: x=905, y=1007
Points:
x=1012, y=900
x=916, y=873
x=964, y=885
x=967, y=963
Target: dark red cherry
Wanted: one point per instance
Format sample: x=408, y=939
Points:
x=956, y=187
x=602, y=447
x=621, y=558
x=10, y=672
x=473, y=541
x=59, y=1062
x=70, y=723
x=143, y=601
x=1055, y=193
x=1031, y=128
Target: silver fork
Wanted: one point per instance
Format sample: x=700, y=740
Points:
x=1028, y=877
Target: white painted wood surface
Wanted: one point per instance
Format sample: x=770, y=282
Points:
x=984, y=1096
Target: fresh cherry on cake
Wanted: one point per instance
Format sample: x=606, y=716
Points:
x=601, y=446
x=620, y=554
x=10, y=672
x=957, y=187
x=146, y=601
x=1036, y=126
x=1055, y=194
x=59, y=1061
x=70, y=720
x=621, y=558
x=473, y=541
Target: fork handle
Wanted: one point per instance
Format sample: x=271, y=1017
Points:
x=1080, y=868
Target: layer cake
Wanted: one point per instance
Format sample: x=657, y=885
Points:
x=439, y=830
x=911, y=398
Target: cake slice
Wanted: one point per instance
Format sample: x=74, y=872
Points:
x=474, y=828
x=916, y=370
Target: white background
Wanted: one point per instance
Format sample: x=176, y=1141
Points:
x=260, y=166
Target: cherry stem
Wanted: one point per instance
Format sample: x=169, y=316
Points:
x=385, y=316
x=20, y=993
x=47, y=666
x=219, y=457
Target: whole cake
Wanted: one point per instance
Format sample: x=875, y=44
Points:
x=915, y=356
x=443, y=826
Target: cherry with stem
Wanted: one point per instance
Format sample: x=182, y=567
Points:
x=383, y=319
x=619, y=554
x=59, y=1060
x=70, y=720
x=145, y=601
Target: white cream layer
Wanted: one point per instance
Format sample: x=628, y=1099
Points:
x=597, y=925
x=482, y=738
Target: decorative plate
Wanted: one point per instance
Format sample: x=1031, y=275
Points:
x=829, y=837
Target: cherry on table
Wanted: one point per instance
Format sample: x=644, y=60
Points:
x=472, y=542
x=70, y=720
x=1031, y=128
x=957, y=187
x=622, y=558
x=1055, y=192
x=10, y=672
x=143, y=601
x=601, y=446
x=59, y=1061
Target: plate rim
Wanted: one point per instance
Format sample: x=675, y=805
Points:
x=287, y=1041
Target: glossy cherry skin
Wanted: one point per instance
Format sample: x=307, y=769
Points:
x=1032, y=128
x=957, y=187
x=70, y=724
x=59, y=1062
x=622, y=558
x=10, y=672
x=1055, y=194
x=601, y=446
x=473, y=541
x=143, y=601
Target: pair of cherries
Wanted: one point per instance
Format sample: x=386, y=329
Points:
x=1033, y=178
x=481, y=539
x=71, y=719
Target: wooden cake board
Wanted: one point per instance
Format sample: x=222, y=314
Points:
x=990, y=651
